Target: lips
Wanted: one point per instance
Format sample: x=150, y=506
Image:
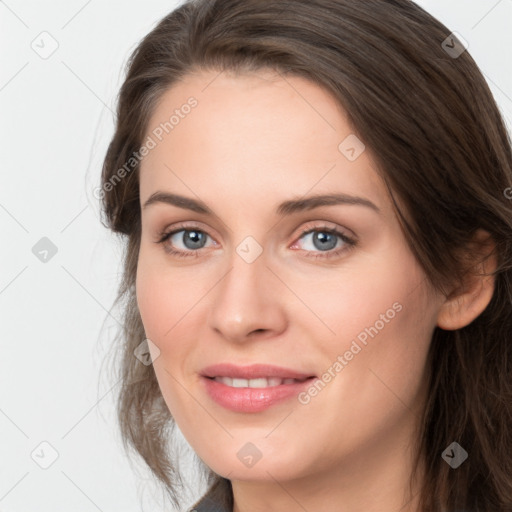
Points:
x=252, y=388
x=254, y=371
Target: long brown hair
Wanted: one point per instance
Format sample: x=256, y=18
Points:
x=444, y=152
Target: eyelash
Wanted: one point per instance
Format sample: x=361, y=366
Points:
x=350, y=243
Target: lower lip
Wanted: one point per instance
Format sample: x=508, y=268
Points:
x=252, y=399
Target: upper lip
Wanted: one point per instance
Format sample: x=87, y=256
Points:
x=253, y=371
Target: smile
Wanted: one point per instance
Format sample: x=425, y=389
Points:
x=255, y=383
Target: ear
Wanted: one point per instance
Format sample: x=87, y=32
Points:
x=468, y=301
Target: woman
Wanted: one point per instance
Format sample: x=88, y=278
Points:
x=318, y=258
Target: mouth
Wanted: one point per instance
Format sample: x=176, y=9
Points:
x=260, y=383
x=254, y=372
x=252, y=388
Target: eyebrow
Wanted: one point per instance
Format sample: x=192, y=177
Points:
x=285, y=208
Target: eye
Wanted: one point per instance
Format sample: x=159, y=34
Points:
x=190, y=239
x=321, y=241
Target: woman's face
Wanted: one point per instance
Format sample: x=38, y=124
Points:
x=323, y=294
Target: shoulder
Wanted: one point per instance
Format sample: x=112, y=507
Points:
x=218, y=498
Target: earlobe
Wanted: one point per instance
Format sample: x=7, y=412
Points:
x=470, y=300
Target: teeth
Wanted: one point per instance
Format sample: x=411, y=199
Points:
x=239, y=383
x=226, y=380
x=257, y=383
x=254, y=383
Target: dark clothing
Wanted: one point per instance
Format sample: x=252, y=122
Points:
x=217, y=499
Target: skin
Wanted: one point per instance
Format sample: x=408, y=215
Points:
x=252, y=142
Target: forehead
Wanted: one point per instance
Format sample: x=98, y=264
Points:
x=262, y=132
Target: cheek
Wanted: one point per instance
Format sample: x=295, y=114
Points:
x=367, y=295
x=172, y=303
x=381, y=324
x=151, y=301
x=162, y=305
x=163, y=296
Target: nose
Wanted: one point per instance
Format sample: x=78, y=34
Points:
x=248, y=303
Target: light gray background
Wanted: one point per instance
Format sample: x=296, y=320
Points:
x=56, y=122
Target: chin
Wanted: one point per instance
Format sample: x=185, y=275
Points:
x=246, y=462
